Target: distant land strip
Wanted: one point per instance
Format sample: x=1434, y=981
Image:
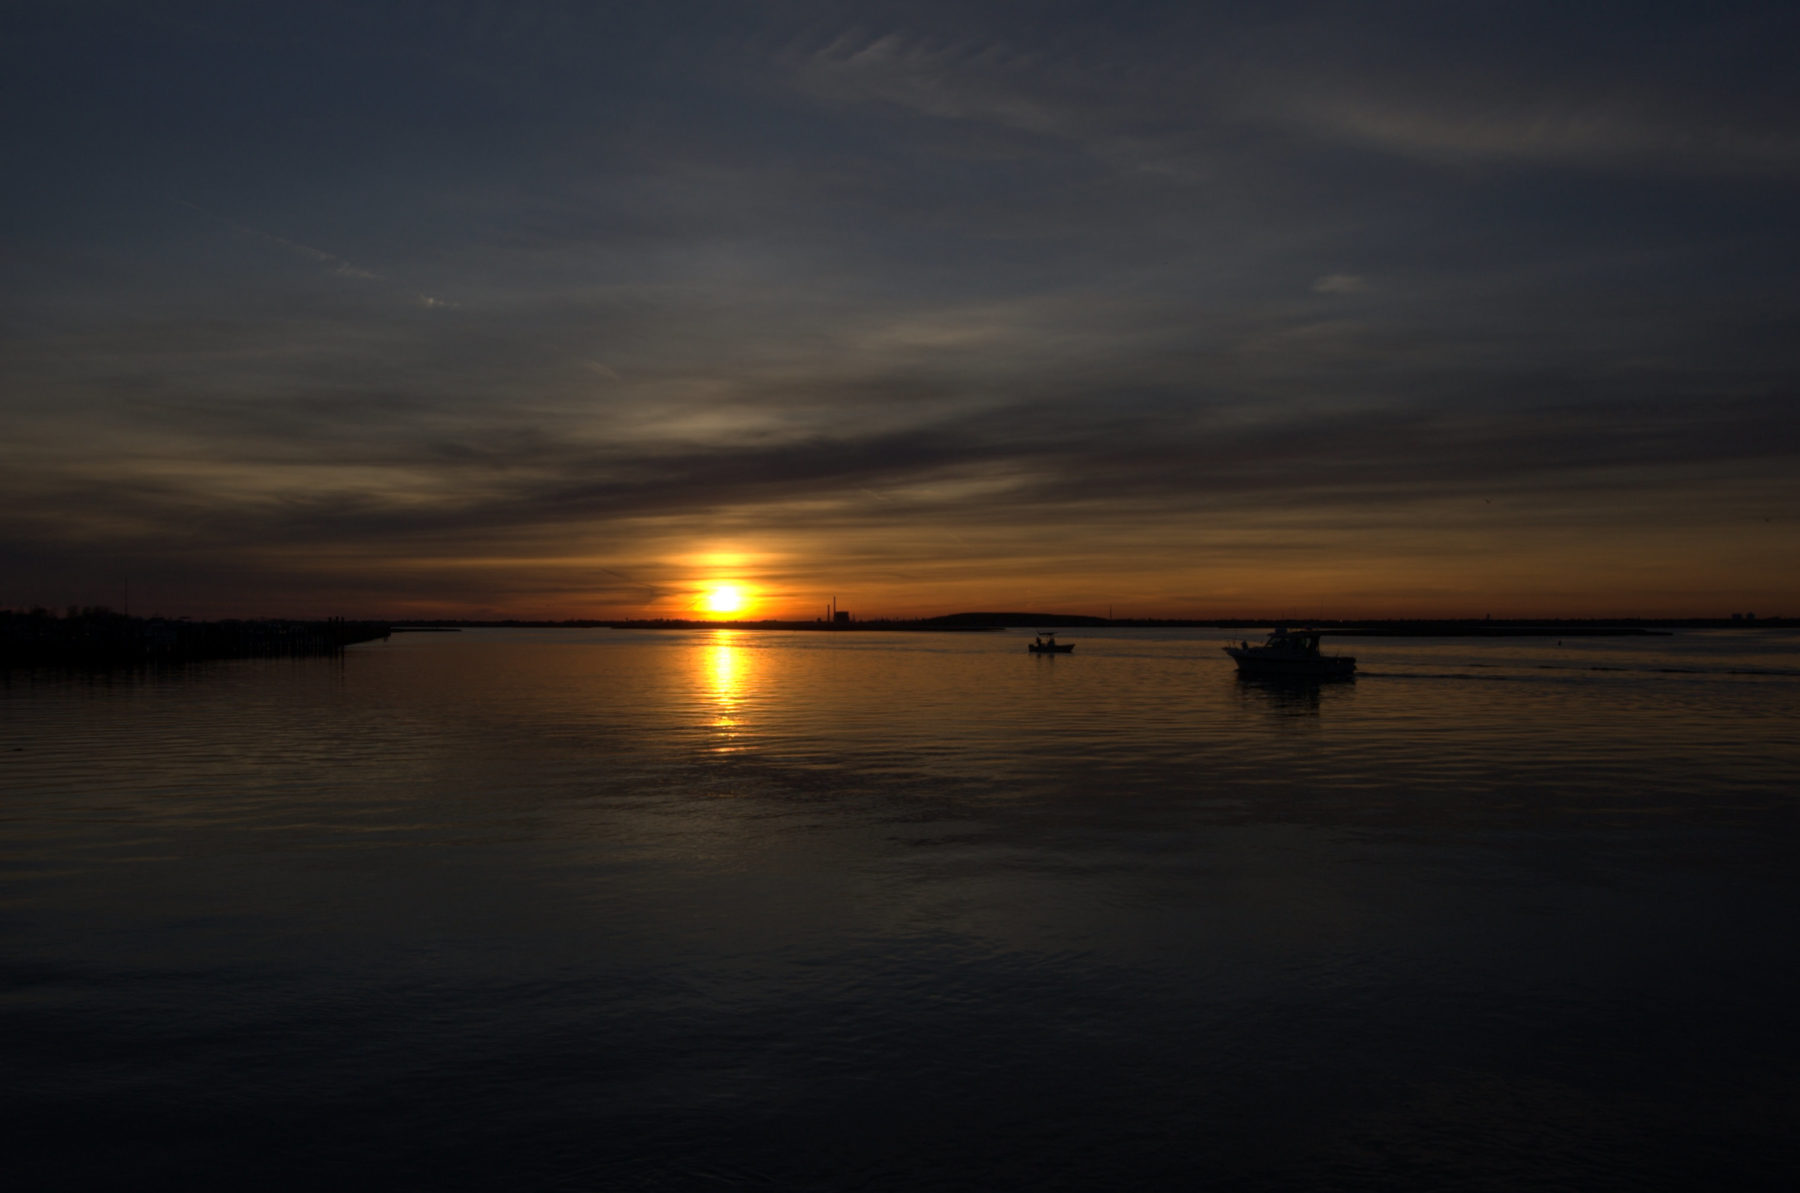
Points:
x=99, y=637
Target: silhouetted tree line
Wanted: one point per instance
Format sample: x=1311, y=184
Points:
x=98, y=636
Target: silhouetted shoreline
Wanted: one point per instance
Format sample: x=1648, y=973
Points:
x=102, y=638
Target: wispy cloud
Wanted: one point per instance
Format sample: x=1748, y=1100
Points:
x=336, y=264
x=1340, y=283
x=1586, y=133
x=964, y=80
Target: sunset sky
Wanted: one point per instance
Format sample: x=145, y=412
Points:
x=572, y=310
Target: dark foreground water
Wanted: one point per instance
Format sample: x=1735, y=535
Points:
x=602, y=910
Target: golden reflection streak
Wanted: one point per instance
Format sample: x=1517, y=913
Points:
x=723, y=662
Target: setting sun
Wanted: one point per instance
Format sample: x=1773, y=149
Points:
x=726, y=598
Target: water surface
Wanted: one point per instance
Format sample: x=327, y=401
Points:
x=600, y=909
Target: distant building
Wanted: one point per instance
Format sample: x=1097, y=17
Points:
x=840, y=617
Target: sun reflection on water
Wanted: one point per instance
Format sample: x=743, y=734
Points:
x=724, y=665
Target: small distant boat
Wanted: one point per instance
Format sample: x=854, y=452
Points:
x=1047, y=644
x=1291, y=653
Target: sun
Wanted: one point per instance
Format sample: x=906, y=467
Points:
x=725, y=598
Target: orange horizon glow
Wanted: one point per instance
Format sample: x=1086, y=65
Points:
x=1199, y=574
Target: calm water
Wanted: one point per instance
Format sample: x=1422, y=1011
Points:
x=603, y=910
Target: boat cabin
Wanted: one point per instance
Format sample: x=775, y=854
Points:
x=1295, y=641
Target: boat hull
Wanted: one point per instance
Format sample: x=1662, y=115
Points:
x=1258, y=662
x=1034, y=648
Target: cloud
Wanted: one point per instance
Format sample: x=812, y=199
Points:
x=1340, y=283
x=961, y=80
x=339, y=266
x=1595, y=134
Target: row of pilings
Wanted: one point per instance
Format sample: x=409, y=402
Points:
x=103, y=638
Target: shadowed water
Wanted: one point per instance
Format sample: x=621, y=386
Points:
x=596, y=909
